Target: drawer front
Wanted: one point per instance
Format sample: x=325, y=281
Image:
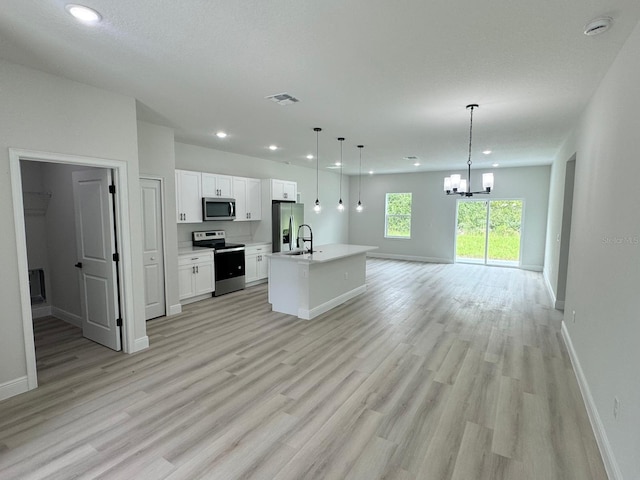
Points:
x=195, y=258
x=258, y=249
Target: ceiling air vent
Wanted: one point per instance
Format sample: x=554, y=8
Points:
x=598, y=26
x=412, y=158
x=283, y=99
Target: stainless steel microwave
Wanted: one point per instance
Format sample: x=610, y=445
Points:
x=218, y=208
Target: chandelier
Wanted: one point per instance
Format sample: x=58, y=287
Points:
x=455, y=185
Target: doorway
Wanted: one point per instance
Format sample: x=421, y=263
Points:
x=488, y=232
x=123, y=237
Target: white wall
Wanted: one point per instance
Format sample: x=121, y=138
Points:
x=604, y=261
x=554, y=219
x=434, y=213
x=46, y=113
x=156, y=153
x=329, y=226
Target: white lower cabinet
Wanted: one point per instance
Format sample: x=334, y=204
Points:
x=256, y=262
x=195, y=274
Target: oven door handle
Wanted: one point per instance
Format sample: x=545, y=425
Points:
x=226, y=250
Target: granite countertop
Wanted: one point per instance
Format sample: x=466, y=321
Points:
x=324, y=253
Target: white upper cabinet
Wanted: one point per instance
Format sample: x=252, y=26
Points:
x=188, y=197
x=247, y=193
x=284, y=190
x=217, y=185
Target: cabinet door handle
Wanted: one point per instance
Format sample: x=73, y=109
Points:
x=197, y=269
x=193, y=270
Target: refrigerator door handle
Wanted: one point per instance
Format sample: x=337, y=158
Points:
x=291, y=232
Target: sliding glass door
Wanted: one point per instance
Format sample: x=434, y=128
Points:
x=488, y=231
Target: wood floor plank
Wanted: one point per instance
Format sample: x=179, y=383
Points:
x=436, y=372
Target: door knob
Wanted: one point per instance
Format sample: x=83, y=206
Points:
x=152, y=258
x=78, y=265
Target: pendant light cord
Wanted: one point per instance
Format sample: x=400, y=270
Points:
x=470, y=133
x=341, y=140
x=317, y=130
x=470, y=137
x=360, y=173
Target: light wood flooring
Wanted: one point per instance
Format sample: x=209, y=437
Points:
x=436, y=372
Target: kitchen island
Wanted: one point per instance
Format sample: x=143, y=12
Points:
x=310, y=284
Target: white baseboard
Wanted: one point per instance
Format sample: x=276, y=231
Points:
x=14, y=387
x=141, y=343
x=409, y=258
x=325, y=307
x=547, y=283
x=610, y=463
x=175, y=309
x=68, y=317
x=39, y=312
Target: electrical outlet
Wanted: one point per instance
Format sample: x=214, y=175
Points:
x=616, y=407
x=574, y=316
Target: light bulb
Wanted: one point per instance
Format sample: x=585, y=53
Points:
x=359, y=206
x=340, y=206
x=316, y=207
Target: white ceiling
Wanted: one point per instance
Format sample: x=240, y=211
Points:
x=392, y=75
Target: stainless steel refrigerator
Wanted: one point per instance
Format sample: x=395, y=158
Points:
x=286, y=218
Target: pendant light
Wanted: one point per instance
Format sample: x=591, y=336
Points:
x=340, y=204
x=454, y=185
x=359, y=206
x=316, y=207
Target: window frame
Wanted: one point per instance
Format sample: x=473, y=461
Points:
x=397, y=215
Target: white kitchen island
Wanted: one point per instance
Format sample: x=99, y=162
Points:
x=308, y=285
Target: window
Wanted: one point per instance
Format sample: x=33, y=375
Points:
x=397, y=215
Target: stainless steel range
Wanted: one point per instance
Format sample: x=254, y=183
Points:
x=228, y=263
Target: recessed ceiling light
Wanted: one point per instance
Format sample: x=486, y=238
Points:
x=417, y=164
x=309, y=157
x=273, y=147
x=82, y=13
x=338, y=164
x=487, y=152
x=598, y=26
x=221, y=134
x=370, y=172
x=495, y=164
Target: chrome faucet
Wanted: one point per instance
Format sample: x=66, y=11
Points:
x=310, y=239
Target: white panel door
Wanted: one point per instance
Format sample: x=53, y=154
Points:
x=188, y=196
x=153, y=249
x=240, y=190
x=95, y=243
x=254, y=198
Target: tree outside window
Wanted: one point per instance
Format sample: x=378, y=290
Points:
x=397, y=219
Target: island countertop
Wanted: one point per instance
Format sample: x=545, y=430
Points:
x=324, y=253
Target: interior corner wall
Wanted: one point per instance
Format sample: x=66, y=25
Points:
x=604, y=256
x=433, y=221
x=554, y=217
x=42, y=112
x=329, y=226
x=156, y=153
